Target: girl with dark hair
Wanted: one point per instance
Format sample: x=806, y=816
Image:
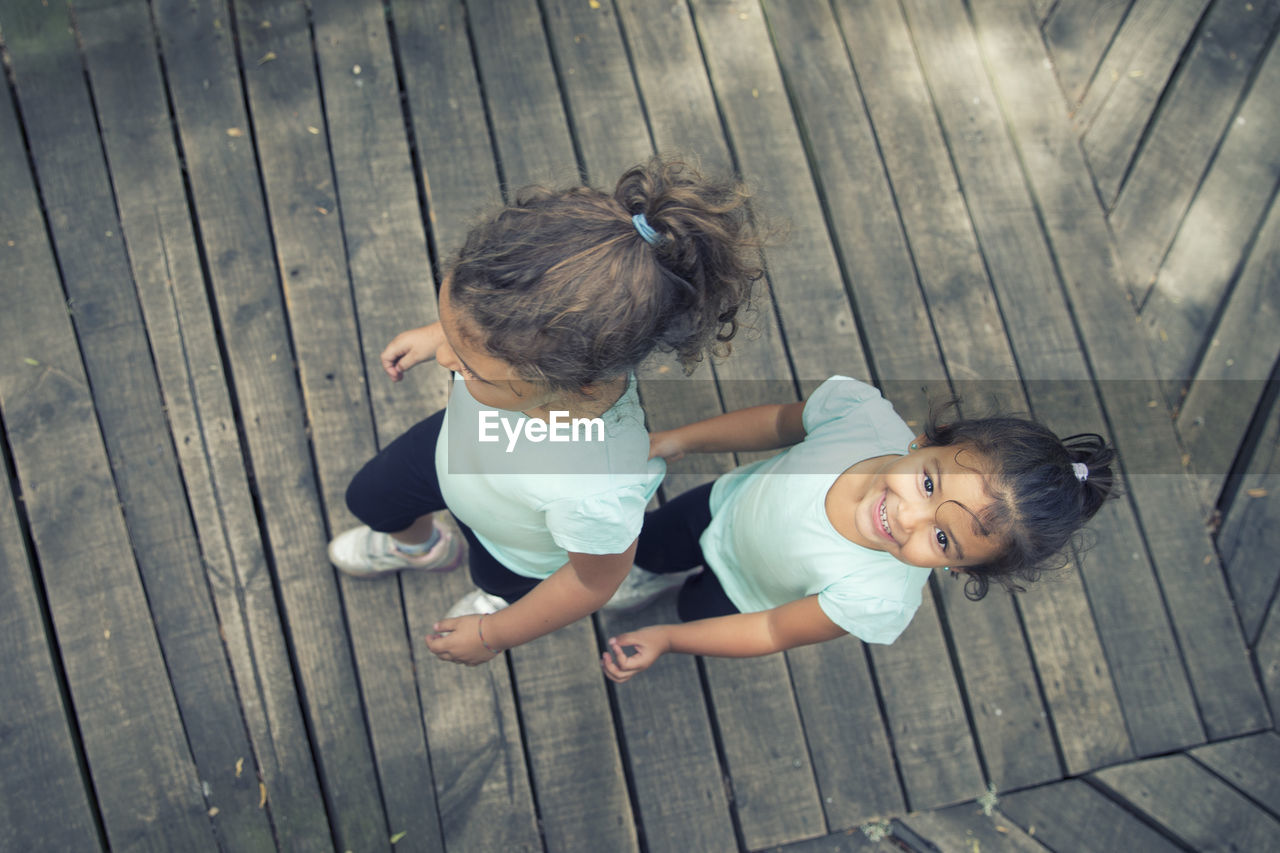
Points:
x=838, y=534
x=545, y=313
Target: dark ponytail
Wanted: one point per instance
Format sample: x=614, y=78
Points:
x=567, y=288
x=1044, y=489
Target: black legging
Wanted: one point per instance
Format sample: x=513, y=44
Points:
x=400, y=484
x=669, y=543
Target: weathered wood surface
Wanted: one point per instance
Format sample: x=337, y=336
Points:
x=1068, y=207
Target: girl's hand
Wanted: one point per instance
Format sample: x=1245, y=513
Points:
x=649, y=643
x=409, y=348
x=458, y=641
x=667, y=444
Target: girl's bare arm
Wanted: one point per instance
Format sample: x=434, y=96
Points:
x=579, y=588
x=755, y=428
x=797, y=623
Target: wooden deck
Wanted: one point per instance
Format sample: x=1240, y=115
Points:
x=216, y=212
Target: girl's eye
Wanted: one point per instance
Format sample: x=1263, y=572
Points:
x=928, y=485
x=943, y=541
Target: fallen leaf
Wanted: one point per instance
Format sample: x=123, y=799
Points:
x=1256, y=493
x=594, y=4
x=32, y=362
x=235, y=131
x=312, y=130
x=262, y=795
x=396, y=838
x=213, y=812
x=267, y=57
x=239, y=767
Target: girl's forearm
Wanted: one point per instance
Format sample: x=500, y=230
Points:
x=572, y=592
x=755, y=428
x=743, y=635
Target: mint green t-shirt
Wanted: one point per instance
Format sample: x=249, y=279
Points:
x=533, y=493
x=770, y=541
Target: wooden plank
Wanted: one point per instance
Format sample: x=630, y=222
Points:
x=971, y=827
x=1116, y=112
x=847, y=734
x=931, y=738
x=133, y=116
x=387, y=259
x=1084, y=707
x=814, y=311
x=1192, y=804
x=483, y=788
x=775, y=796
x=61, y=128
x=1078, y=33
x=147, y=787
x=1250, y=530
x=1248, y=763
x=225, y=185
x=1073, y=815
x=1198, y=603
x=1185, y=132
x=1231, y=380
x=1151, y=687
x=860, y=205
x=673, y=769
x=1217, y=232
x=44, y=775
x=1267, y=653
x=298, y=181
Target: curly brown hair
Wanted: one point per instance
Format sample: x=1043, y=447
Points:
x=562, y=285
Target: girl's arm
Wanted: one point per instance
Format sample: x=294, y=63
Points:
x=411, y=347
x=577, y=589
x=754, y=428
x=742, y=635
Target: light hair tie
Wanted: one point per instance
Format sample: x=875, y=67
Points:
x=1081, y=471
x=645, y=230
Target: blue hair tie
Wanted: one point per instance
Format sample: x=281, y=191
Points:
x=645, y=230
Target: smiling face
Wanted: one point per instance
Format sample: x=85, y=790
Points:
x=922, y=508
x=490, y=380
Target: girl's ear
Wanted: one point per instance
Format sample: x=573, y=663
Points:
x=919, y=442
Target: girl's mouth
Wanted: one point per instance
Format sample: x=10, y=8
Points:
x=882, y=514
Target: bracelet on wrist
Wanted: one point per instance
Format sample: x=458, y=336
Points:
x=480, y=631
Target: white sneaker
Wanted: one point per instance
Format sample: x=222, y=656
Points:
x=640, y=587
x=476, y=601
x=365, y=553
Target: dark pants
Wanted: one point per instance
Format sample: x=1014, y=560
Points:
x=399, y=485
x=669, y=543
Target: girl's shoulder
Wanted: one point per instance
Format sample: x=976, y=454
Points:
x=855, y=411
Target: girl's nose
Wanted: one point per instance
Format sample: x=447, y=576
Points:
x=911, y=513
x=447, y=358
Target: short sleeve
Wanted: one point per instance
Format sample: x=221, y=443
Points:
x=606, y=522
x=860, y=414
x=869, y=618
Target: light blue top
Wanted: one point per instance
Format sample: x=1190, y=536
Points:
x=770, y=541
x=544, y=498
